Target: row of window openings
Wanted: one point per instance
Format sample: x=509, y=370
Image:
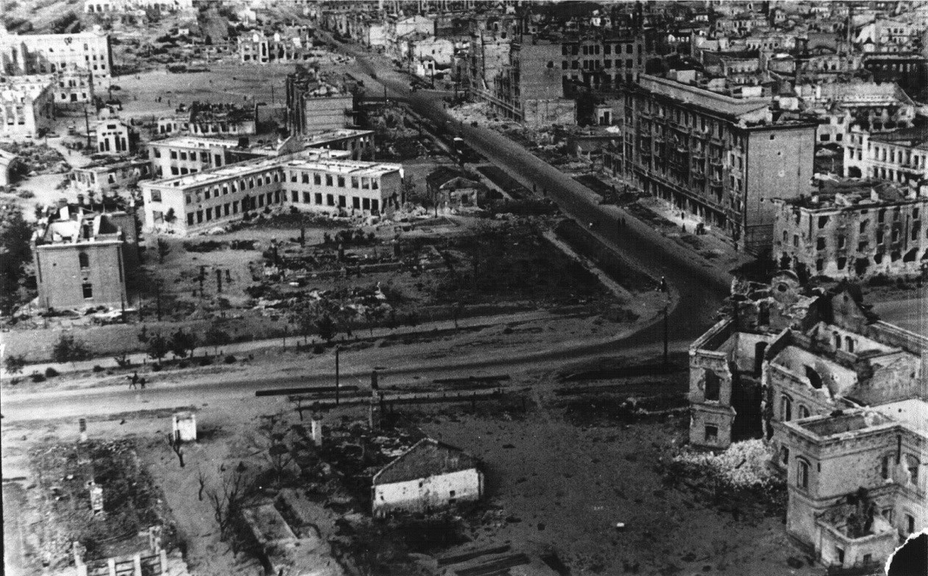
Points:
x=227, y=209
x=803, y=468
x=63, y=67
x=357, y=202
x=690, y=121
x=208, y=215
x=821, y=242
x=594, y=50
x=594, y=64
x=339, y=181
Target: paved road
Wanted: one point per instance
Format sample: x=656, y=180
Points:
x=699, y=289
x=355, y=370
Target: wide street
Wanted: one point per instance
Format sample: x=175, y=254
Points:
x=698, y=289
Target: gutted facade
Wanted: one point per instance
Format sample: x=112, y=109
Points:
x=855, y=231
x=857, y=481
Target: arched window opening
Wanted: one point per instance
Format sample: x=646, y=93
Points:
x=802, y=473
x=814, y=379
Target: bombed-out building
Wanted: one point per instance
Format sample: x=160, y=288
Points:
x=856, y=481
x=853, y=230
x=314, y=105
x=314, y=179
x=840, y=397
x=85, y=258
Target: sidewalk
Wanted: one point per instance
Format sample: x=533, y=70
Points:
x=680, y=226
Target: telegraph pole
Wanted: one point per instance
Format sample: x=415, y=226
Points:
x=87, y=125
x=337, y=387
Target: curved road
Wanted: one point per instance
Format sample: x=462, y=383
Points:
x=699, y=288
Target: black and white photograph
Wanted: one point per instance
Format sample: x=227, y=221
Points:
x=464, y=287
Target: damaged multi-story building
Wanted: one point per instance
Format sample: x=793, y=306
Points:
x=314, y=105
x=841, y=398
x=899, y=156
x=716, y=153
x=853, y=230
x=293, y=44
x=27, y=106
x=316, y=180
x=84, y=258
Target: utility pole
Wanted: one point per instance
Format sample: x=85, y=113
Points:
x=666, y=305
x=337, y=387
x=158, y=299
x=87, y=125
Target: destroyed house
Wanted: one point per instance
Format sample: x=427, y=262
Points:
x=430, y=475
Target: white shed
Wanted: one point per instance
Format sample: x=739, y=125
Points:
x=428, y=476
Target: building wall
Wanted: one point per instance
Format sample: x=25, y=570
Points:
x=603, y=62
x=325, y=113
x=107, y=179
x=114, y=137
x=61, y=279
x=779, y=165
x=841, y=464
x=49, y=53
x=26, y=110
x=858, y=241
x=203, y=206
x=428, y=493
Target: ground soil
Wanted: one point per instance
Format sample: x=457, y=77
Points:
x=559, y=477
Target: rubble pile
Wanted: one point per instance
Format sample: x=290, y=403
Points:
x=743, y=464
x=37, y=159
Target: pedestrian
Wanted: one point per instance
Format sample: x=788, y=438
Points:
x=131, y=382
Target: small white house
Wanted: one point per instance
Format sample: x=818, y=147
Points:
x=429, y=476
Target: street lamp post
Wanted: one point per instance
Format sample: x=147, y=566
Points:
x=663, y=288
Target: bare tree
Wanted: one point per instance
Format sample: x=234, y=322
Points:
x=202, y=481
x=227, y=503
x=277, y=443
x=175, y=444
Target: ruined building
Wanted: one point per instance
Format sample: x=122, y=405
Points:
x=855, y=230
x=314, y=105
x=313, y=179
x=841, y=398
x=85, y=259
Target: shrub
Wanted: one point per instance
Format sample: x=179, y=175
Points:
x=26, y=194
x=50, y=372
x=318, y=349
x=156, y=367
x=36, y=377
x=183, y=364
x=205, y=360
x=98, y=368
x=230, y=359
x=70, y=349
